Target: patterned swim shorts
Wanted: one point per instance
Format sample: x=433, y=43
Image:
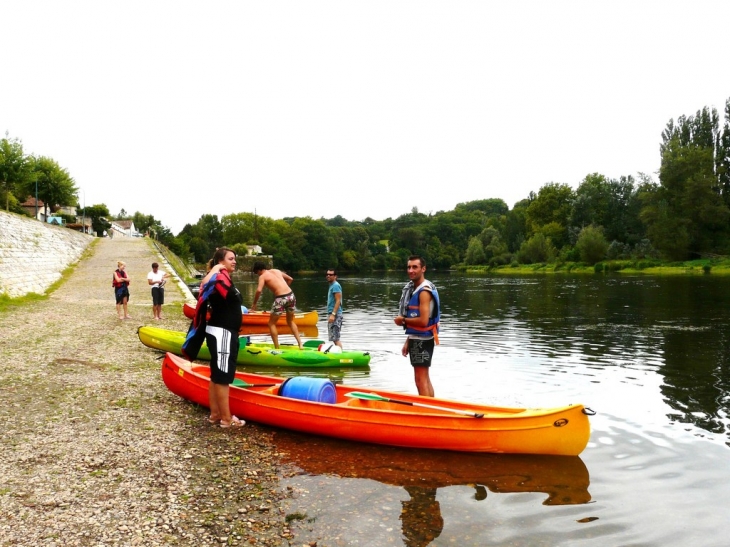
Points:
x=284, y=304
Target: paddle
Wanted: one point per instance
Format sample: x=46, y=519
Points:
x=240, y=383
x=376, y=397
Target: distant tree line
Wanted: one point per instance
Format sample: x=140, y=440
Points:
x=685, y=215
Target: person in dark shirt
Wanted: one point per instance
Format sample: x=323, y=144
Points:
x=221, y=335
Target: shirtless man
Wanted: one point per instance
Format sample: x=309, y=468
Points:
x=284, y=300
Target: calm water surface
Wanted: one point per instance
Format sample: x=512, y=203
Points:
x=650, y=355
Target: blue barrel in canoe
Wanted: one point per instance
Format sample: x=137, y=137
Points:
x=318, y=390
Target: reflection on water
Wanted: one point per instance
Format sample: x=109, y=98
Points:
x=650, y=355
x=564, y=479
x=420, y=516
x=422, y=476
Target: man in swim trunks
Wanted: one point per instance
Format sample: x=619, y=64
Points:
x=284, y=300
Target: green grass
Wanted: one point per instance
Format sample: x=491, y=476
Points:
x=703, y=266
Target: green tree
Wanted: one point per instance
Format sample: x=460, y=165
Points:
x=55, y=185
x=722, y=161
x=203, y=237
x=475, y=252
x=689, y=201
x=318, y=249
x=99, y=215
x=515, y=226
x=247, y=228
x=493, y=245
x=16, y=171
x=537, y=249
x=592, y=245
x=553, y=204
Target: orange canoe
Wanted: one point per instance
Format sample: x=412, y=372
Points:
x=316, y=406
x=305, y=319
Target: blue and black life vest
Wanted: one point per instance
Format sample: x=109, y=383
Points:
x=410, y=307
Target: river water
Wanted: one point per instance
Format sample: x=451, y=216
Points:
x=651, y=355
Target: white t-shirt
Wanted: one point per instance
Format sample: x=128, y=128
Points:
x=156, y=278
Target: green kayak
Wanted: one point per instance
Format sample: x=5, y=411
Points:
x=256, y=354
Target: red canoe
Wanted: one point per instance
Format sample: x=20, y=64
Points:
x=387, y=418
x=306, y=319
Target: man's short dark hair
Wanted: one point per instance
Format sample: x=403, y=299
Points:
x=258, y=266
x=419, y=258
x=155, y=265
x=334, y=272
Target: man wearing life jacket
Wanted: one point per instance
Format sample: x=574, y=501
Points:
x=420, y=312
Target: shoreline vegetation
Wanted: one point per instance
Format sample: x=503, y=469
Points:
x=719, y=266
x=629, y=224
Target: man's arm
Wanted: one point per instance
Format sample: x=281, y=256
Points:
x=424, y=310
x=338, y=300
x=259, y=290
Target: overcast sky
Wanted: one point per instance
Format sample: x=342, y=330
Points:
x=299, y=108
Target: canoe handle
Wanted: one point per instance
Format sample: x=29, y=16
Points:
x=589, y=411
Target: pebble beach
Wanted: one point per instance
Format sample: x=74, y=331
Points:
x=96, y=451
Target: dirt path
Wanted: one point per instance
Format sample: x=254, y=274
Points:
x=96, y=450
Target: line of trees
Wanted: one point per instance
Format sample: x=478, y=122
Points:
x=685, y=215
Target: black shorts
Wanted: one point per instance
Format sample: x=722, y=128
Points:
x=223, y=347
x=120, y=294
x=158, y=296
x=420, y=351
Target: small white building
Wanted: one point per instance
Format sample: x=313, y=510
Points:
x=124, y=228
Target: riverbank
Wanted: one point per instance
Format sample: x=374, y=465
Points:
x=96, y=450
x=720, y=266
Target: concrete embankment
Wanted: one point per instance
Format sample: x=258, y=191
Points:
x=33, y=254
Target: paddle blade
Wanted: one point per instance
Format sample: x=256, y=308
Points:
x=366, y=396
x=240, y=383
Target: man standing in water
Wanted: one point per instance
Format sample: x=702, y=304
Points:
x=419, y=315
x=284, y=300
x=334, y=308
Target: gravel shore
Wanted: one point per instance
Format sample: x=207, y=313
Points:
x=96, y=451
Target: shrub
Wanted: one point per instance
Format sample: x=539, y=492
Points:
x=537, y=249
x=591, y=244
